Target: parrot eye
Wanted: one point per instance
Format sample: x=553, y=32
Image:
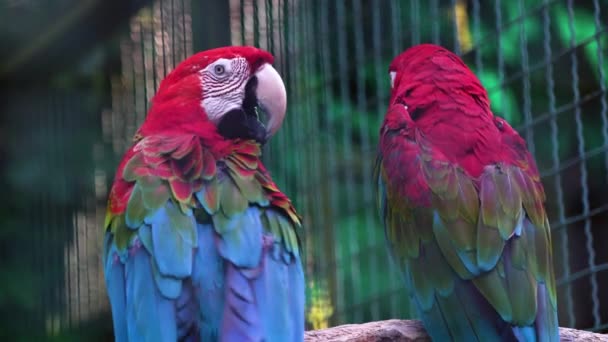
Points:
x=219, y=69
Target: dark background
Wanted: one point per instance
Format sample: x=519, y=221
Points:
x=76, y=77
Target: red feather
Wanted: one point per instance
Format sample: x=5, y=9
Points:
x=177, y=127
x=445, y=103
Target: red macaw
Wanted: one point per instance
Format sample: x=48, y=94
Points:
x=462, y=205
x=200, y=244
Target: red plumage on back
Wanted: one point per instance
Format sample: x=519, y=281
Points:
x=177, y=110
x=462, y=127
x=462, y=205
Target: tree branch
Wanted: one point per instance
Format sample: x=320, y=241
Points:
x=410, y=330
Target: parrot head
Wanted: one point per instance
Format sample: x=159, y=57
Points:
x=426, y=69
x=433, y=91
x=234, y=89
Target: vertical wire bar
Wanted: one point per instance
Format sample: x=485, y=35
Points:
x=86, y=203
x=326, y=67
x=184, y=29
x=380, y=75
x=523, y=47
x=289, y=66
x=304, y=99
x=348, y=152
x=283, y=50
x=455, y=27
x=143, y=66
x=40, y=222
x=162, y=40
x=270, y=27
x=153, y=45
x=381, y=97
x=602, y=78
x=269, y=149
x=583, y=168
x=477, y=33
x=301, y=97
x=256, y=24
x=327, y=274
x=38, y=260
x=500, y=57
x=44, y=123
x=242, y=18
x=134, y=114
x=395, y=7
x=55, y=213
x=67, y=107
x=414, y=22
x=83, y=196
x=556, y=162
x=174, y=60
x=434, y=11
x=365, y=143
x=64, y=259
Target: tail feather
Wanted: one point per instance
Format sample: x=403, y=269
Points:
x=149, y=315
x=115, y=283
x=264, y=303
x=279, y=291
x=547, y=325
x=208, y=283
x=241, y=320
x=464, y=315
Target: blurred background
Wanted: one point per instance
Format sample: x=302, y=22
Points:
x=76, y=80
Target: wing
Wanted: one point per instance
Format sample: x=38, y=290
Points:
x=193, y=239
x=476, y=254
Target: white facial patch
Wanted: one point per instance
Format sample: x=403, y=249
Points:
x=223, y=86
x=392, y=75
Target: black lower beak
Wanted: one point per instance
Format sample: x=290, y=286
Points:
x=244, y=123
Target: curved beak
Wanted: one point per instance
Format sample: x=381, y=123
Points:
x=272, y=97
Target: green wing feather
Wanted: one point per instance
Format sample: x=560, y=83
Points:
x=487, y=237
x=177, y=177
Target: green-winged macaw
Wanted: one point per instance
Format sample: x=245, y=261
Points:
x=462, y=205
x=200, y=244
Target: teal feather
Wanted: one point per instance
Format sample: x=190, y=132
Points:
x=150, y=316
x=115, y=285
x=241, y=240
x=173, y=238
x=208, y=280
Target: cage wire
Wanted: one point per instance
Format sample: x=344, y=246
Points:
x=544, y=67
x=543, y=63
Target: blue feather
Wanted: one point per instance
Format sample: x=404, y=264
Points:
x=115, y=284
x=266, y=303
x=241, y=320
x=279, y=290
x=173, y=240
x=169, y=286
x=175, y=284
x=264, y=290
x=150, y=316
x=241, y=240
x=208, y=281
x=546, y=317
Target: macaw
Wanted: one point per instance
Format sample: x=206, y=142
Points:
x=200, y=244
x=462, y=205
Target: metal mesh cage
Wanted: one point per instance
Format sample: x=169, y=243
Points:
x=543, y=63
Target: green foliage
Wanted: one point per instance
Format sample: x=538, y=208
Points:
x=502, y=99
x=582, y=31
x=331, y=137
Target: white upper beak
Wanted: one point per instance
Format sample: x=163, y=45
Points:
x=272, y=97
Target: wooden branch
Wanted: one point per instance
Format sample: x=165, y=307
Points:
x=410, y=330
